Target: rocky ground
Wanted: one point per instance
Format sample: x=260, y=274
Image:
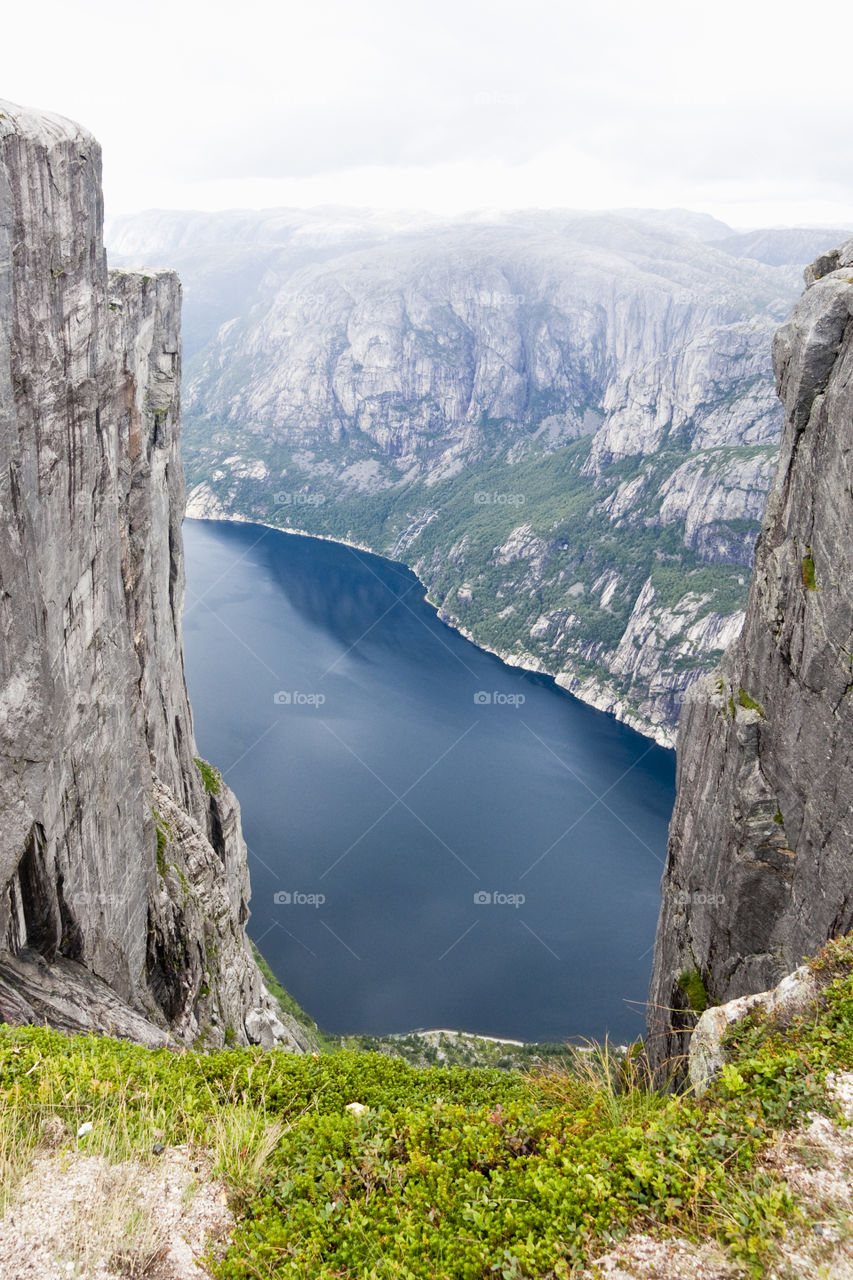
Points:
x=79, y=1216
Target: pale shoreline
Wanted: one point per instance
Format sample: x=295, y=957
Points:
x=474, y=1035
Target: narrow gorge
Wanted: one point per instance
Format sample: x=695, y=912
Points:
x=122, y=862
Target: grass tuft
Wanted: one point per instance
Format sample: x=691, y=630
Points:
x=808, y=571
x=210, y=776
x=693, y=986
x=748, y=703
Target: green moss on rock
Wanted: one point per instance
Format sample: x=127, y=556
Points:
x=210, y=776
x=748, y=703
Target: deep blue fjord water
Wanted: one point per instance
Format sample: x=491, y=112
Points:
x=435, y=839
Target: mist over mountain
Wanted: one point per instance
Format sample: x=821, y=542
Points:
x=564, y=422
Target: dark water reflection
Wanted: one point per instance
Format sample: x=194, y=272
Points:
x=382, y=785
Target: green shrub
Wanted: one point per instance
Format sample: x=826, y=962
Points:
x=691, y=983
x=744, y=700
x=809, y=580
x=210, y=776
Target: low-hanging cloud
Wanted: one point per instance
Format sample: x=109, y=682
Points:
x=696, y=103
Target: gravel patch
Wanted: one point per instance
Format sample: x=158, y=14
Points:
x=75, y=1216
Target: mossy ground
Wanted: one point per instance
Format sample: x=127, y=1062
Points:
x=451, y=1172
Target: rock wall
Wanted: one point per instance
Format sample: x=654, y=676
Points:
x=758, y=871
x=123, y=882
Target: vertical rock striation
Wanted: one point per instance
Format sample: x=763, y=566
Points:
x=123, y=882
x=760, y=864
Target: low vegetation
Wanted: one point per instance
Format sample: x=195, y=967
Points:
x=809, y=578
x=749, y=703
x=693, y=986
x=442, y=1171
x=210, y=776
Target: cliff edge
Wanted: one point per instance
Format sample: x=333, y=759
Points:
x=123, y=876
x=759, y=868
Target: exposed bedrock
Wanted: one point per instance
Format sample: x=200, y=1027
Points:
x=123, y=882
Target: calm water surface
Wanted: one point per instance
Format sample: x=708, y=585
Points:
x=436, y=839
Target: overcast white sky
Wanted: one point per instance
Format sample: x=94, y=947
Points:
x=741, y=108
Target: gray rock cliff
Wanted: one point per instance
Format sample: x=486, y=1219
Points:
x=759, y=870
x=123, y=881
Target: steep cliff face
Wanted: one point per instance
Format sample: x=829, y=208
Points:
x=421, y=348
x=123, y=882
x=759, y=865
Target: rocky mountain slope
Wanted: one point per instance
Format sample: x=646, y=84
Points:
x=565, y=423
x=123, y=876
x=758, y=869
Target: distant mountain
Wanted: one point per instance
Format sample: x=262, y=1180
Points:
x=683, y=222
x=782, y=246
x=566, y=423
